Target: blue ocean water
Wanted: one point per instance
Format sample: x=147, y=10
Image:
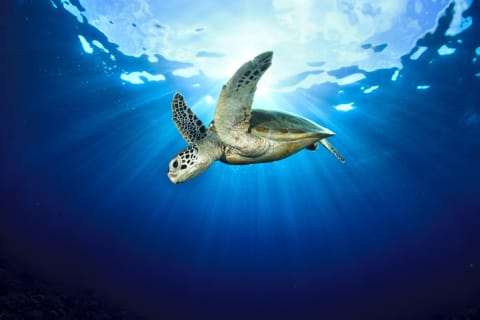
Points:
x=85, y=200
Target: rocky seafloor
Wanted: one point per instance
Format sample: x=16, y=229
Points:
x=23, y=297
x=471, y=314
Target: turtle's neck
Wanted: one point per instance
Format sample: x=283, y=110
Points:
x=211, y=147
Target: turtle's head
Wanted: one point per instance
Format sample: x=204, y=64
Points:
x=187, y=164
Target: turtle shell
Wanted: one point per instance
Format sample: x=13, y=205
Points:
x=281, y=126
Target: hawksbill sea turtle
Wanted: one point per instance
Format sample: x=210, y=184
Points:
x=239, y=134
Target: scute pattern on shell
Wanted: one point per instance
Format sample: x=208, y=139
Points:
x=189, y=125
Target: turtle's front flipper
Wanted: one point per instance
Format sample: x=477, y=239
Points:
x=188, y=124
x=330, y=148
x=232, y=116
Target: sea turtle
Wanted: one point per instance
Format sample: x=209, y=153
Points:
x=238, y=134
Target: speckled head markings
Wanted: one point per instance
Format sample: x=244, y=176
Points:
x=187, y=164
x=189, y=125
x=239, y=134
x=191, y=161
x=184, y=159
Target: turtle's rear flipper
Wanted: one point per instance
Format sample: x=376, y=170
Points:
x=330, y=148
x=312, y=147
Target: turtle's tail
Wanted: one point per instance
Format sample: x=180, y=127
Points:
x=330, y=148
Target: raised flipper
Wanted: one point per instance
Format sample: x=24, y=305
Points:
x=188, y=124
x=232, y=116
x=330, y=148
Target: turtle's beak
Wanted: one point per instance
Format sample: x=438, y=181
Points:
x=172, y=177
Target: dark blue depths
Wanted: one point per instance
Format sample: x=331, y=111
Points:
x=85, y=200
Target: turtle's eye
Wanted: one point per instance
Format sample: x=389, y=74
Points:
x=173, y=164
